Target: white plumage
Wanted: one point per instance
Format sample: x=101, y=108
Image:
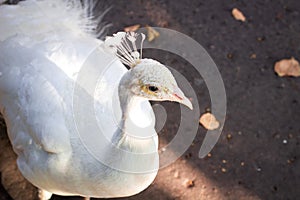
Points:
x=44, y=46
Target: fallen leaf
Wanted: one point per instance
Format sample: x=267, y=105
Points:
x=132, y=28
x=238, y=15
x=151, y=33
x=287, y=67
x=209, y=121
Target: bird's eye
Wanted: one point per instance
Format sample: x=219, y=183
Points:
x=153, y=88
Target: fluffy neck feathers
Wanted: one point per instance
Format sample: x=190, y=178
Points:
x=137, y=123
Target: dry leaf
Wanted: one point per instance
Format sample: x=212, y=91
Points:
x=132, y=28
x=209, y=121
x=287, y=67
x=151, y=33
x=238, y=15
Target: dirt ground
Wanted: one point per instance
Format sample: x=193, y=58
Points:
x=258, y=153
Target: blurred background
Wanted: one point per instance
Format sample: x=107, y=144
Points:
x=258, y=153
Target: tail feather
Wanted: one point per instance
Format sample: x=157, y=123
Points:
x=95, y=24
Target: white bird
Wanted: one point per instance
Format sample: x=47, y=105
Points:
x=49, y=58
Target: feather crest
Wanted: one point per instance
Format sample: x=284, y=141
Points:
x=124, y=46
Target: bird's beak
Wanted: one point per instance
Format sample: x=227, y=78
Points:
x=179, y=97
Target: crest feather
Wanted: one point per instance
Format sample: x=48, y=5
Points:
x=124, y=46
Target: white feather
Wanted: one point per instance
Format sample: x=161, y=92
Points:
x=123, y=45
x=42, y=50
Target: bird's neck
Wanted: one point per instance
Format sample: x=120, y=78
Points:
x=129, y=104
x=127, y=101
x=136, y=121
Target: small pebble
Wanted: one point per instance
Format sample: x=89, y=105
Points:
x=229, y=136
x=224, y=161
x=209, y=155
x=189, y=183
x=284, y=141
x=176, y=174
x=260, y=39
x=229, y=56
x=253, y=56
x=223, y=170
x=258, y=169
x=276, y=136
x=242, y=164
x=290, y=161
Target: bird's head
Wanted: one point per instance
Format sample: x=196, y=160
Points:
x=154, y=81
x=147, y=78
